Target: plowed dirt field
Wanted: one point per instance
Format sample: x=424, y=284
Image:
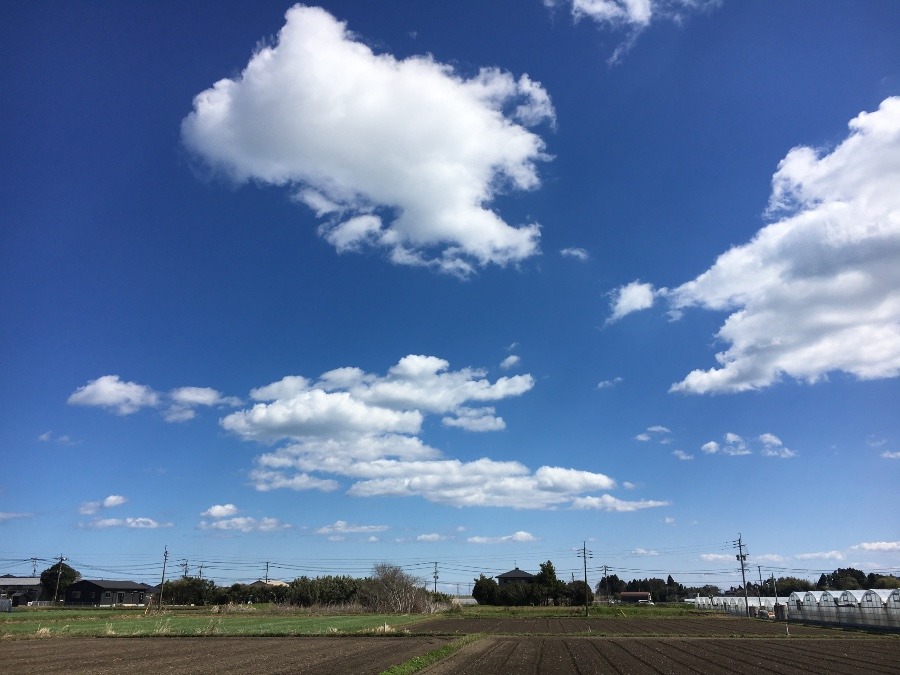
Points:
x=712, y=626
x=509, y=655
x=211, y=655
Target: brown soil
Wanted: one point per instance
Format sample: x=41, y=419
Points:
x=510, y=655
x=212, y=655
x=713, y=626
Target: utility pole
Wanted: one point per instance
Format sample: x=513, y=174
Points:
x=435, y=577
x=267, y=573
x=184, y=568
x=34, y=567
x=585, y=554
x=759, y=591
x=58, y=575
x=163, y=580
x=742, y=557
x=606, y=582
x=201, y=571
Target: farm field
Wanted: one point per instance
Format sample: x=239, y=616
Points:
x=699, y=626
x=536, y=642
x=213, y=655
x=496, y=655
x=189, y=623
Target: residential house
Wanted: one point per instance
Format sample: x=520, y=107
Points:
x=106, y=593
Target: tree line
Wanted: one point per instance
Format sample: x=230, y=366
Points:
x=670, y=591
x=388, y=589
x=542, y=589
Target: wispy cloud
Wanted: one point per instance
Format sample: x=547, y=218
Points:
x=128, y=523
x=734, y=445
x=6, y=516
x=510, y=361
x=90, y=508
x=577, y=253
x=610, y=503
x=343, y=527
x=821, y=555
x=631, y=16
x=517, y=537
x=884, y=546
x=245, y=524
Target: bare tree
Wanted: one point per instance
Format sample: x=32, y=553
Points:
x=390, y=589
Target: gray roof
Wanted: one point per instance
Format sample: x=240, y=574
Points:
x=19, y=582
x=109, y=585
x=515, y=574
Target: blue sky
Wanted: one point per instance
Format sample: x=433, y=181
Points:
x=467, y=283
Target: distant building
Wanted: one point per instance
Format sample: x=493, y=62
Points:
x=106, y=593
x=635, y=596
x=259, y=583
x=515, y=576
x=20, y=590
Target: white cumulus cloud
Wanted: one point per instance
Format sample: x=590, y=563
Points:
x=404, y=155
x=817, y=290
x=220, y=511
x=431, y=537
x=630, y=298
x=109, y=391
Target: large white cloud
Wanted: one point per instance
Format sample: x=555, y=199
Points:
x=348, y=402
x=400, y=154
x=349, y=424
x=818, y=289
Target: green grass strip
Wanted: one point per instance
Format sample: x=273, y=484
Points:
x=417, y=663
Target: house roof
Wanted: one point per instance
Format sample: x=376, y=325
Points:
x=109, y=585
x=259, y=583
x=19, y=582
x=516, y=574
